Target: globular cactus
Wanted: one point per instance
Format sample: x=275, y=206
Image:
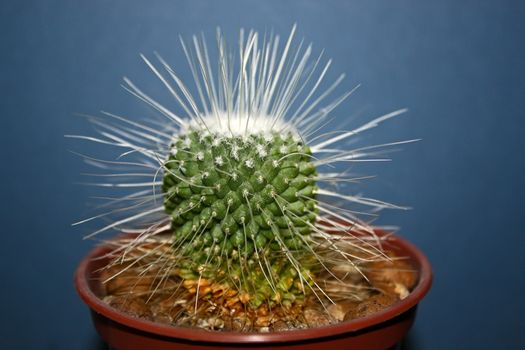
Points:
x=236, y=201
x=237, y=205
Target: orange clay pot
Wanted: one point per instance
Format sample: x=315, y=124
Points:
x=379, y=331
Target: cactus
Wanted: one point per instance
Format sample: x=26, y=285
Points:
x=245, y=180
x=236, y=200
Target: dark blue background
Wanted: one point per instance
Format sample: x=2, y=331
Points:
x=458, y=66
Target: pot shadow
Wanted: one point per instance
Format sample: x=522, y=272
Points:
x=97, y=343
x=410, y=342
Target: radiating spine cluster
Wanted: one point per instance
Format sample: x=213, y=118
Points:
x=246, y=171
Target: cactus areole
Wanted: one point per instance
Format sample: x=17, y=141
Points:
x=242, y=209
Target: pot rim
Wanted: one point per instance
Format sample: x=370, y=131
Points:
x=201, y=335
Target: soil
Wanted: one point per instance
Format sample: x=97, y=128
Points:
x=177, y=302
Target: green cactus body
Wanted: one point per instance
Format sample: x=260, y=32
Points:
x=242, y=210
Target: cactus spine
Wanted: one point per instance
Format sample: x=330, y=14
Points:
x=247, y=179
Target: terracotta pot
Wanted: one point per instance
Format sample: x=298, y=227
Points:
x=379, y=331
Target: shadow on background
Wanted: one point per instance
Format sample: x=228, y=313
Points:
x=410, y=342
x=97, y=343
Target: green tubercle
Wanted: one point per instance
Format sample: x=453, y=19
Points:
x=242, y=211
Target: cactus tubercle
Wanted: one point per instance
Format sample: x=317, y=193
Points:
x=242, y=209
